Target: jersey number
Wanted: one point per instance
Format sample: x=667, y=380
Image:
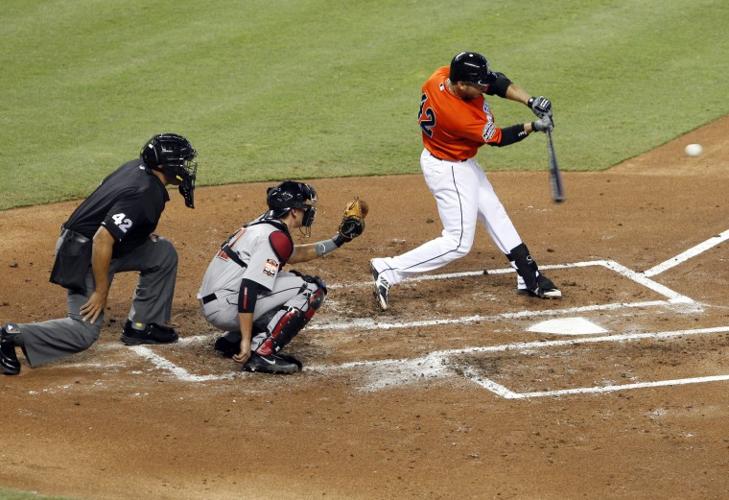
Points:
x=122, y=223
x=426, y=117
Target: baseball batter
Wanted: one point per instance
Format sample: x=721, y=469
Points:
x=108, y=233
x=455, y=120
x=246, y=292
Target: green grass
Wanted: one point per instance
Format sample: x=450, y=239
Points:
x=6, y=494
x=314, y=88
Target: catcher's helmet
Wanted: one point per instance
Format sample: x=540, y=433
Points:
x=175, y=156
x=291, y=194
x=470, y=67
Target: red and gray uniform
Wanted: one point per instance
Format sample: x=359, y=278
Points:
x=253, y=259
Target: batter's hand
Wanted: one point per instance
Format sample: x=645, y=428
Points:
x=94, y=307
x=540, y=106
x=543, y=124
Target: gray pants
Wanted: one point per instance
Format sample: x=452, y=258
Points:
x=156, y=262
x=223, y=312
x=289, y=289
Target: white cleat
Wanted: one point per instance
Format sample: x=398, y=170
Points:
x=381, y=288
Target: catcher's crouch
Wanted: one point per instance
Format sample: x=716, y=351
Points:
x=246, y=292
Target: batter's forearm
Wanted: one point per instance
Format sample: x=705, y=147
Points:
x=515, y=93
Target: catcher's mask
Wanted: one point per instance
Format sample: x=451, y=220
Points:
x=470, y=67
x=291, y=194
x=173, y=155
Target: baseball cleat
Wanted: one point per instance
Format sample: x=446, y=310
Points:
x=381, y=288
x=8, y=358
x=273, y=363
x=545, y=290
x=151, y=334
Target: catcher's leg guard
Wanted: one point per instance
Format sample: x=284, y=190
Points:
x=282, y=324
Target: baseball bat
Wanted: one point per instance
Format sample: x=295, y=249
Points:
x=555, y=177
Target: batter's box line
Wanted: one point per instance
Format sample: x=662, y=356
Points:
x=673, y=299
x=437, y=362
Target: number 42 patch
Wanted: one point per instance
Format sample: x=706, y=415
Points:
x=122, y=222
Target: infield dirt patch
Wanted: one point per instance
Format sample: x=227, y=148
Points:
x=110, y=423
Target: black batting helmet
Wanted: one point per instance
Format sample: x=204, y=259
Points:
x=291, y=194
x=174, y=155
x=470, y=67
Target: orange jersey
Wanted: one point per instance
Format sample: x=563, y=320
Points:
x=454, y=129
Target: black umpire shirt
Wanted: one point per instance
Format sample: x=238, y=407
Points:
x=128, y=203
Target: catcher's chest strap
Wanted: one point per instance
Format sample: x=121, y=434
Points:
x=233, y=256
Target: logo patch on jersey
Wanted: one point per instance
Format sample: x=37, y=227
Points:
x=489, y=130
x=270, y=267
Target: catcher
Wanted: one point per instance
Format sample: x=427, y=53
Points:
x=246, y=292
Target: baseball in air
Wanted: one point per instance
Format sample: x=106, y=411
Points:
x=694, y=149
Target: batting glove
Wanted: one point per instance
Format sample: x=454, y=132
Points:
x=540, y=106
x=543, y=124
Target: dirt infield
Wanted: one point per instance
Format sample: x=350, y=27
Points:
x=448, y=394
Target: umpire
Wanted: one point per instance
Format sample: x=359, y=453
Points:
x=112, y=232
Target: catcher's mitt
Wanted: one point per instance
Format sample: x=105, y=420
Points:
x=353, y=220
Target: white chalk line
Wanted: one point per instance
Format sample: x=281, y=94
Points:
x=179, y=372
x=435, y=364
x=639, y=278
x=684, y=256
x=371, y=324
x=524, y=346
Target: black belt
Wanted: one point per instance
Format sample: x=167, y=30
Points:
x=209, y=298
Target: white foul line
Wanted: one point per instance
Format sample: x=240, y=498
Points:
x=684, y=256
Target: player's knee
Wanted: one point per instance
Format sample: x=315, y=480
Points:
x=167, y=252
x=317, y=295
x=88, y=333
x=460, y=245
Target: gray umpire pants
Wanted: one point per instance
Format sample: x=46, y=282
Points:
x=222, y=312
x=156, y=262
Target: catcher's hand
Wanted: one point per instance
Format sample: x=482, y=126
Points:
x=353, y=220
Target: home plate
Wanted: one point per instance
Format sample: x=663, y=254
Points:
x=567, y=326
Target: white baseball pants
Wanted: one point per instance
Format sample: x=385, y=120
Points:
x=464, y=196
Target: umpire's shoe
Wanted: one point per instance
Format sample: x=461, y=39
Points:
x=152, y=333
x=8, y=358
x=545, y=290
x=381, y=287
x=273, y=363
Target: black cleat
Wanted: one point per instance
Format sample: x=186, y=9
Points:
x=273, y=363
x=152, y=334
x=545, y=289
x=8, y=358
x=381, y=288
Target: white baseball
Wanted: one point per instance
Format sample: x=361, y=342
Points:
x=694, y=149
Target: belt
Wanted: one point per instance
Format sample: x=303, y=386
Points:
x=209, y=298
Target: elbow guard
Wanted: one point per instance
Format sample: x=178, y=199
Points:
x=512, y=134
x=499, y=85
